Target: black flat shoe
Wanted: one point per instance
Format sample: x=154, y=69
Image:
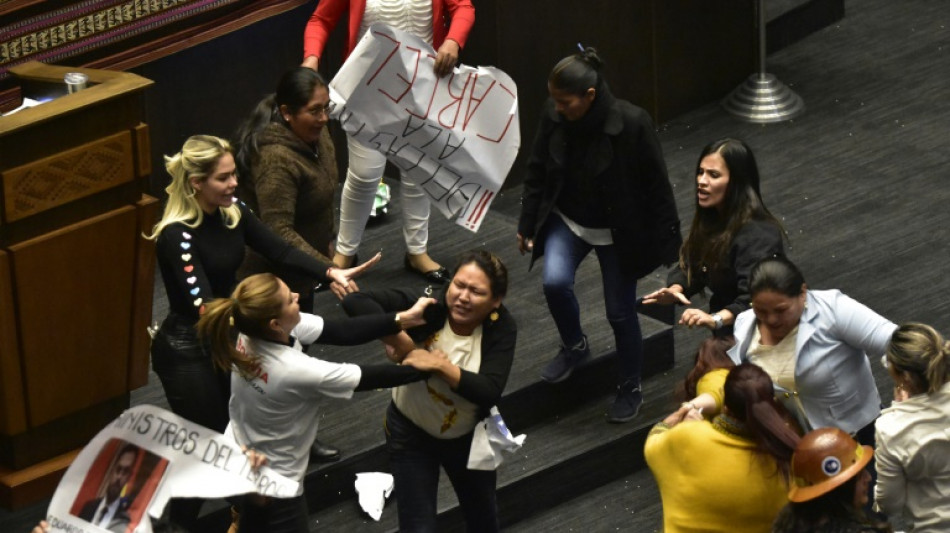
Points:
x=438, y=276
x=324, y=453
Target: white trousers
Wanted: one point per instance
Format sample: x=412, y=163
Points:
x=365, y=171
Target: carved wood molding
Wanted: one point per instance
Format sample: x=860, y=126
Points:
x=120, y=33
x=130, y=49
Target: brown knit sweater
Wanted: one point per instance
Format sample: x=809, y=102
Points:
x=292, y=190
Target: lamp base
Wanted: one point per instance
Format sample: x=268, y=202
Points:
x=763, y=99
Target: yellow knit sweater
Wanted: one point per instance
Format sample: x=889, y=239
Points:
x=711, y=480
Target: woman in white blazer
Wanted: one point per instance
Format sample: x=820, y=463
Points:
x=815, y=346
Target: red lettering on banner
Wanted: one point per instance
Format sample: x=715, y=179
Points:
x=507, y=124
x=469, y=112
x=402, y=78
x=386, y=61
x=456, y=103
x=435, y=89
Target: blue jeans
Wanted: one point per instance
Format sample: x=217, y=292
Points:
x=415, y=457
x=563, y=253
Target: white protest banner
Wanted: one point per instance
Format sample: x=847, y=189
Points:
x=457, y=136
x=143, y=458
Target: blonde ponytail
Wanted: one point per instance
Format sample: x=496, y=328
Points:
x=920, y=352
x=251, y=307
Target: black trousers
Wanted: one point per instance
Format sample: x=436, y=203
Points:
x=195, y=390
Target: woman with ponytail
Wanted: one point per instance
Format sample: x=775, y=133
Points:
x=276, y=388
x=200, y=243
x=913, y=445
x=730, y=474
x=596, y=180
x=288, y=174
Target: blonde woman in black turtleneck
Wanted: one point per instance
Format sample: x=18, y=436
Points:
x=597, y=181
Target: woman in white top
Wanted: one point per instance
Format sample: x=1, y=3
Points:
x=445, y=25
x=276, y=388
x=913, y=444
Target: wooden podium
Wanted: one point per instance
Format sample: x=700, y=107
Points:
x=76, y=274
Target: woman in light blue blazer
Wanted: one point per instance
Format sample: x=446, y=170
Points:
x=815, y=345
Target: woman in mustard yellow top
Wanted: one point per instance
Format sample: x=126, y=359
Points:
x=728, y=474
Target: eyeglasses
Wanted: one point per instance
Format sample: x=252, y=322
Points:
x=321, y=109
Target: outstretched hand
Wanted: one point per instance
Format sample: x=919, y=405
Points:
x=341, y=279
x=666, y=296
x=697, y=317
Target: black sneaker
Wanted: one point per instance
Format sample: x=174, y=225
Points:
x=563, y=364
x=626, y=405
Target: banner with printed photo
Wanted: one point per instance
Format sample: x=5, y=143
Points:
x=456, y=136
x=141, y=460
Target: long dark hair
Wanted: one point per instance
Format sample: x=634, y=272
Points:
x=712, y=355
x=750, y=398
x=294, y=90
x=832, y=512
x=712, y=232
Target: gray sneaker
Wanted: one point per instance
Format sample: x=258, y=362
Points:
x=626, y=404
x=561, y=367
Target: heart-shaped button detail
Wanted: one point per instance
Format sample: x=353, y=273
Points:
x=195, y=291
x=185, y=245
x=186, y=257
x=198, y=302
x=191, y=280
x=189, y=268
x=201, y=310
x=186, y=235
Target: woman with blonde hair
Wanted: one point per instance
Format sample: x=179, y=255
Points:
x=912, y=439
x=200, y=243
x=276, y=388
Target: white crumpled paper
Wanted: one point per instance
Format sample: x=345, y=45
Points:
x=373, y=489
x=490, y=439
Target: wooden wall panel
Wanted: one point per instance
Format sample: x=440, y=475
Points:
x=75, y=359
x=67, y=176
x=146, y=213
x=12, y=408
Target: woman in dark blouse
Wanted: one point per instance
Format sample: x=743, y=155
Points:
x=731, y=230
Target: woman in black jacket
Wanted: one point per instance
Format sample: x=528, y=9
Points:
x=596, y=181
x=732, y=230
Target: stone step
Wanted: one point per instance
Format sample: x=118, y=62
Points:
x=560, y=451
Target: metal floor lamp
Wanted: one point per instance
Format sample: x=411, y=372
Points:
x=763, y=98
